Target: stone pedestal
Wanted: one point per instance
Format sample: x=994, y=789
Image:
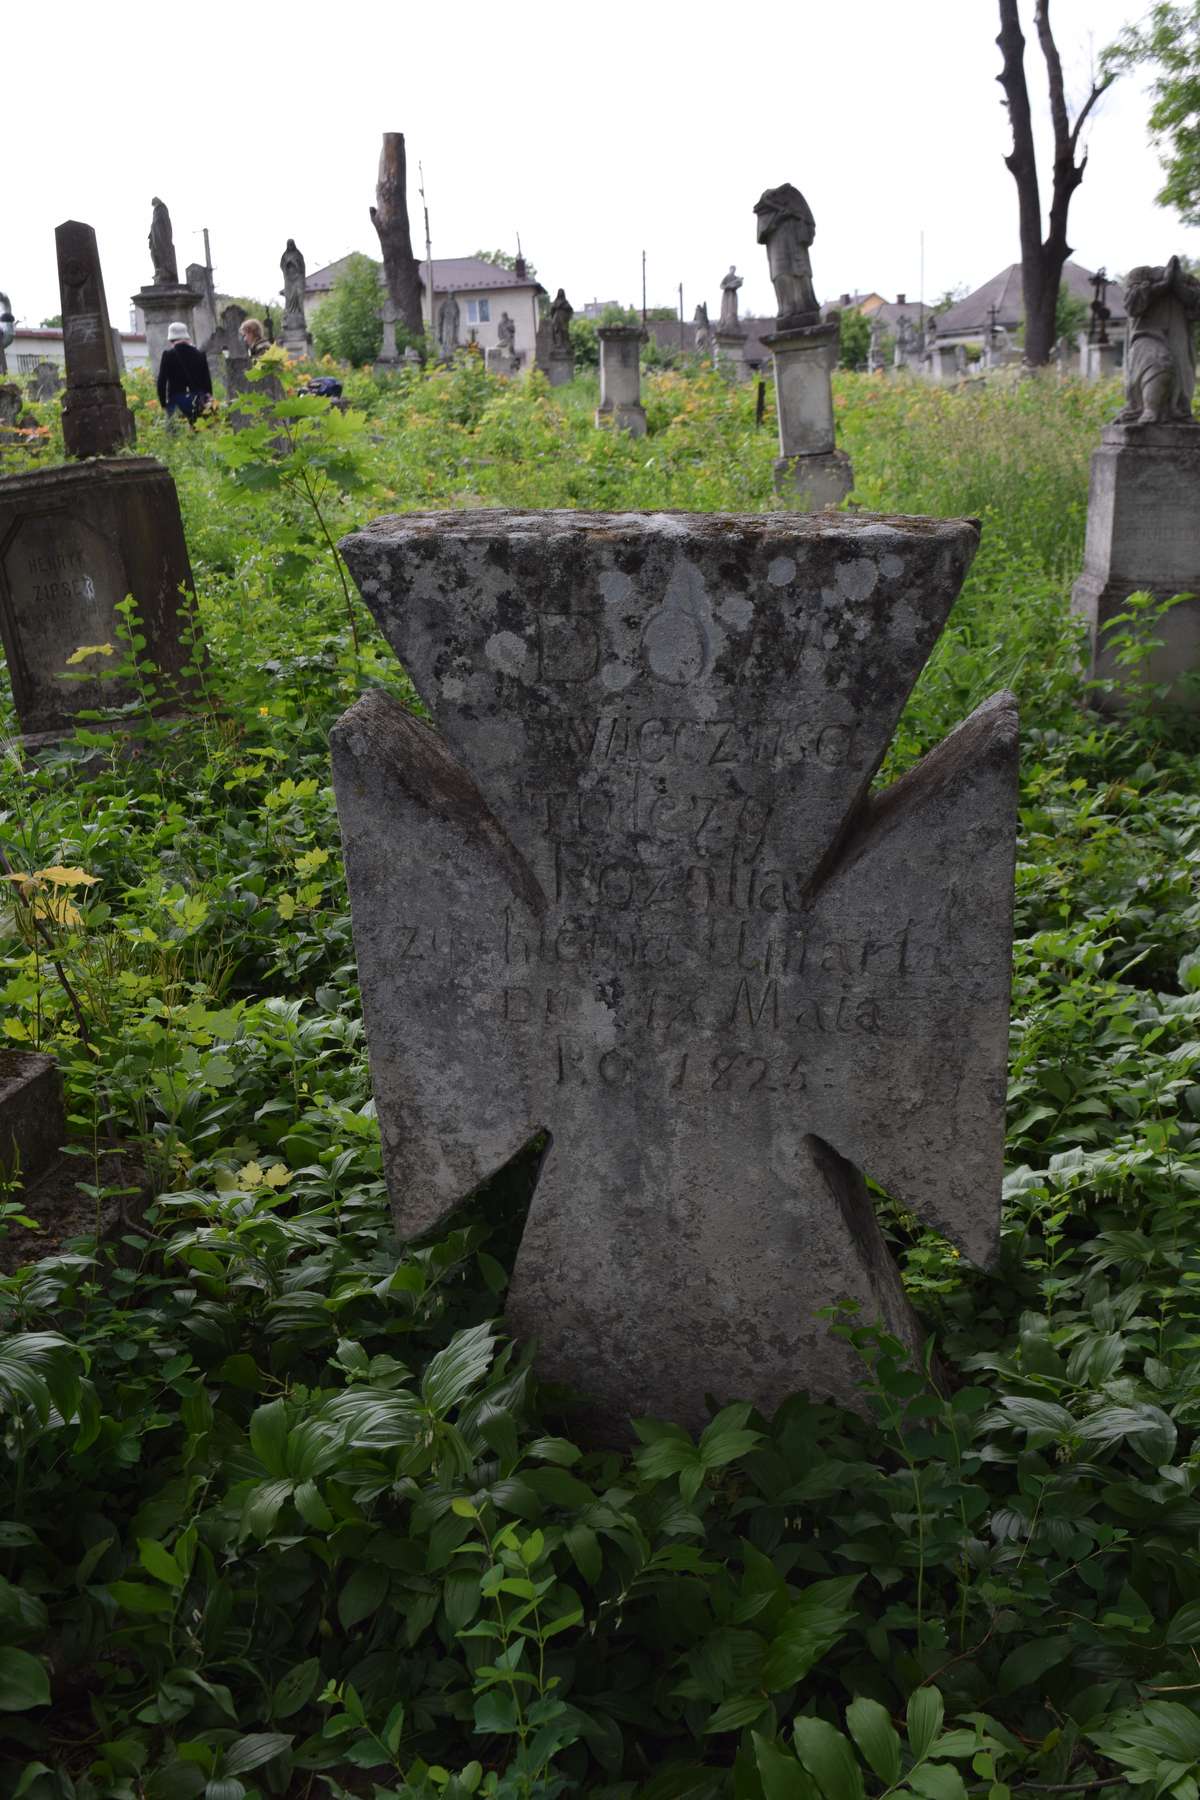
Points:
x=1143, y=532
x=809, y=466
x=560, y=367
x=501, y=361
x=621, y=379
x=74, y=541
x=297, y=342
x=731, y=354
x=160, y=307
x=1101, y=361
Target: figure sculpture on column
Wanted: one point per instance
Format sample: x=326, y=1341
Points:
x=293, y=268
x=561, y=314
x=703, y=330
x=1162, y=302
x=787, y=227
x=162, y=246
x=447, y=327
x=730, y=284
x=7, y=329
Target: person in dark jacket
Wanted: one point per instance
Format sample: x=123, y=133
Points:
x=184, y=382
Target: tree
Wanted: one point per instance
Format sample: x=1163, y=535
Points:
x=1042, y=259
x=53, y=323
x=854, y=339
x=1169, y=37
x=503, y=260
x=348, y=325
x=389, y=215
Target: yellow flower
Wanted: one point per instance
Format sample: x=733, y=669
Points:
x=264, y=712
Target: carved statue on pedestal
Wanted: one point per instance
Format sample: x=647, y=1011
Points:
x=787, y=227
x=1162, y=303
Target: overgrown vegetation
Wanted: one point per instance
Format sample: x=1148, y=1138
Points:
x=286, y=1512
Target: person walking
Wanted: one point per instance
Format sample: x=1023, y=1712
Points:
x=184, y=382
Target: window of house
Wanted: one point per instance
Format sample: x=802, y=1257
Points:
x=479, y=311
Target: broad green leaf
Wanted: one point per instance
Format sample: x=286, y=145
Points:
x=159, y=1562
x=311, y=1507
x=295, y=1689
x=878, y=1741
x=1029, y=1662
x=924, y=1715
x=363, y=1594
x=461, y=1366
x=1185, y=1626
x=829, y=1759
x=23, y=1681
x=781, y=1775
x=819, y=1618
x=937, y=1781
x=268, y=1436
x=738, y=1712
x=138, y=1597
x=247, y=1753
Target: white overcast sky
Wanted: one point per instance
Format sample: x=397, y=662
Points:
x=594, y=132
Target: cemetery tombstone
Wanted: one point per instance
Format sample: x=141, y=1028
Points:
x=76, y=540
x=46, y=381
x=621, y=379
x=804, y=350
x=96, y=417
x=1143, y=522
x=730, y=334
x=165, y=299
x=204, y=317
x=502, y=357
x=229, y=357
x=630, y=887
x=294, y=329
x=388, y=358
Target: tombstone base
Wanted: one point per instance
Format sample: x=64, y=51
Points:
x=501, y=362
x=731, y=354
x=804, y=362
x=386, y=365
x=816, y=482
x=297, y=343
x=627, y=415
x=1143, y=533
x=33, y=1120
x=74, y=541
x=560, y=368
x=161, y=307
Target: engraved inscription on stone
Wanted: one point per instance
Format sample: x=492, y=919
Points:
x=633, y=892
x=57, y=572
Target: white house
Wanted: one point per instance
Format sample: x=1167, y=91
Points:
x=31, y=345
x=483, y=290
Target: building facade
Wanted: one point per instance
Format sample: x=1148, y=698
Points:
x=484, y=292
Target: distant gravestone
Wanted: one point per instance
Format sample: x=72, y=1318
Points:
x=74, y=541
x=621, y=379
x=632, y=889
x=46, y=381
x=560, y=352
x=228, y=354
x=96, y=418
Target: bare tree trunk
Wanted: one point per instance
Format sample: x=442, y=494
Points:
x=1041, y=259
x=389, y=215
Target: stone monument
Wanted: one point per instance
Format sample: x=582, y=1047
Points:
x=804, y=351
x=1143, y=525
x=293, y=332
x=74, y=541
x=229, y=358
x=96, y=418
x=621, y=379
x=204, y=317
x=876, y=360
x=703, y=330
x=502, y=357
x=447, y=328
x=167, y=298
x=46, y=382
x=730, y=334
x=630, y=887
x=560, y=360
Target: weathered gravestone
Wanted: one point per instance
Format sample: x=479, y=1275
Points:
x=621, y=379
x=634, y=891
x=96, y=419
x=74, y=541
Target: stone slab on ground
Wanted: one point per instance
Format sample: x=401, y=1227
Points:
x=33, y=1119
x=632, y=889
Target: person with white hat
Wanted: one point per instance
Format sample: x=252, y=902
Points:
x=184, y=381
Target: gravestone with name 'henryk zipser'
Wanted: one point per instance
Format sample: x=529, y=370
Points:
x=632, y=889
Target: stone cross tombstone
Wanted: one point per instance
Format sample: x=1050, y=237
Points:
x=229, y=358
x=96, y=418
x=631, y=888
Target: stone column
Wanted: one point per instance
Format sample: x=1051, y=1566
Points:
x=74, y=541
x=204, y=320
x=1143, y=532
x=96, y=419
x=621, y=379
x=809, y=464
x=160, y=307
x=388, y=359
